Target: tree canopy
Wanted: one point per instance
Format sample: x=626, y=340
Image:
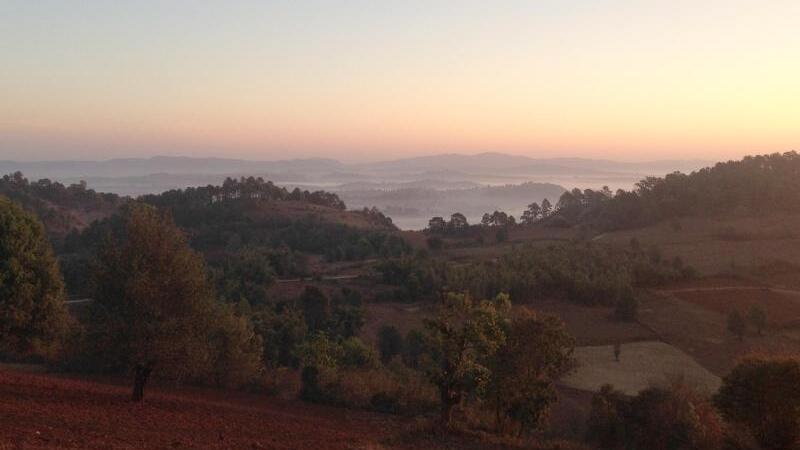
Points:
x=33, y=316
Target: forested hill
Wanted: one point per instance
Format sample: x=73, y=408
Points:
x=63, y=209
x=261, y=200
x=755, y=185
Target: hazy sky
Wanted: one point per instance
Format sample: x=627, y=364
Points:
x=374, y=79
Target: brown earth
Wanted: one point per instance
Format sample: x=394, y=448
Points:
x=48, y=411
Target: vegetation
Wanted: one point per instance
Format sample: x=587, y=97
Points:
x=465, y=334
x=537, y=350
x=673, y=418
x=753, y=185
x=761, y=395
x=51, y=201
x=390, y=343
x=154, y=309
x=582, y=273
x=33, y=318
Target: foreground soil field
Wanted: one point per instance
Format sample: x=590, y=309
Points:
x=47, y=411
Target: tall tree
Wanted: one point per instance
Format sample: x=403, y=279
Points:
x=464, y=334
x=458, y=222
x=537, y=351
x=33, y=316
x=437, y=224
x=153, y=308
x=547, y=208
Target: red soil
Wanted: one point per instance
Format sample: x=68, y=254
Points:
x=49, y=411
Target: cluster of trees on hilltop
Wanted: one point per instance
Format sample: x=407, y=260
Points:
x=227, y=230
x=753, y=185
x=242, y=189
x=230, y=217
x=458, y=224
x=50, y=200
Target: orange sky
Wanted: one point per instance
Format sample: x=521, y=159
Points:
x=373, y=80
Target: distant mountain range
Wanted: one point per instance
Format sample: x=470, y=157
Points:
x=410, y=190
x=455, y=164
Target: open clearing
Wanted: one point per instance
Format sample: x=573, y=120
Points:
x=641, y=365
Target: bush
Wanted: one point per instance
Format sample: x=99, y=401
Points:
x=435, y=243
x=310, y=390
x=400, y=391
x=674, y=418
x=390, y=342
x=627, y=307
x=501, y=235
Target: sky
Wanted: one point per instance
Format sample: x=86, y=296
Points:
x=369, y=80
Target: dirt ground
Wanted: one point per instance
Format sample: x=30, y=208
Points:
x=49, y=411
x=781, y=306
x=699, y=328
x=641, y=365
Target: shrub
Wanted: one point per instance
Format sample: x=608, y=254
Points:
x=390, y=391
x=390, y=342
x=736, y=324
x=673, y=418
x=627, y=307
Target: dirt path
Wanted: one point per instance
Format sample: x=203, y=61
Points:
x=732, y=288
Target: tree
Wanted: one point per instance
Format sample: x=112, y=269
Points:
x=736, y=324
x=316, y=308
x=547, y=208
x=671, y=418
x=153, y=307
x=627, y=306
x=758, y=319
x=246, y=275
x=282, y=330
x=458, y=222
x=437, y=225
x=347, y=313
x=464, y=334
x=236, y=349
x=531, y=214
x=762, y=395
x=537, y=351
x=390, y=343
x=33, y=317
x=414, y=348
